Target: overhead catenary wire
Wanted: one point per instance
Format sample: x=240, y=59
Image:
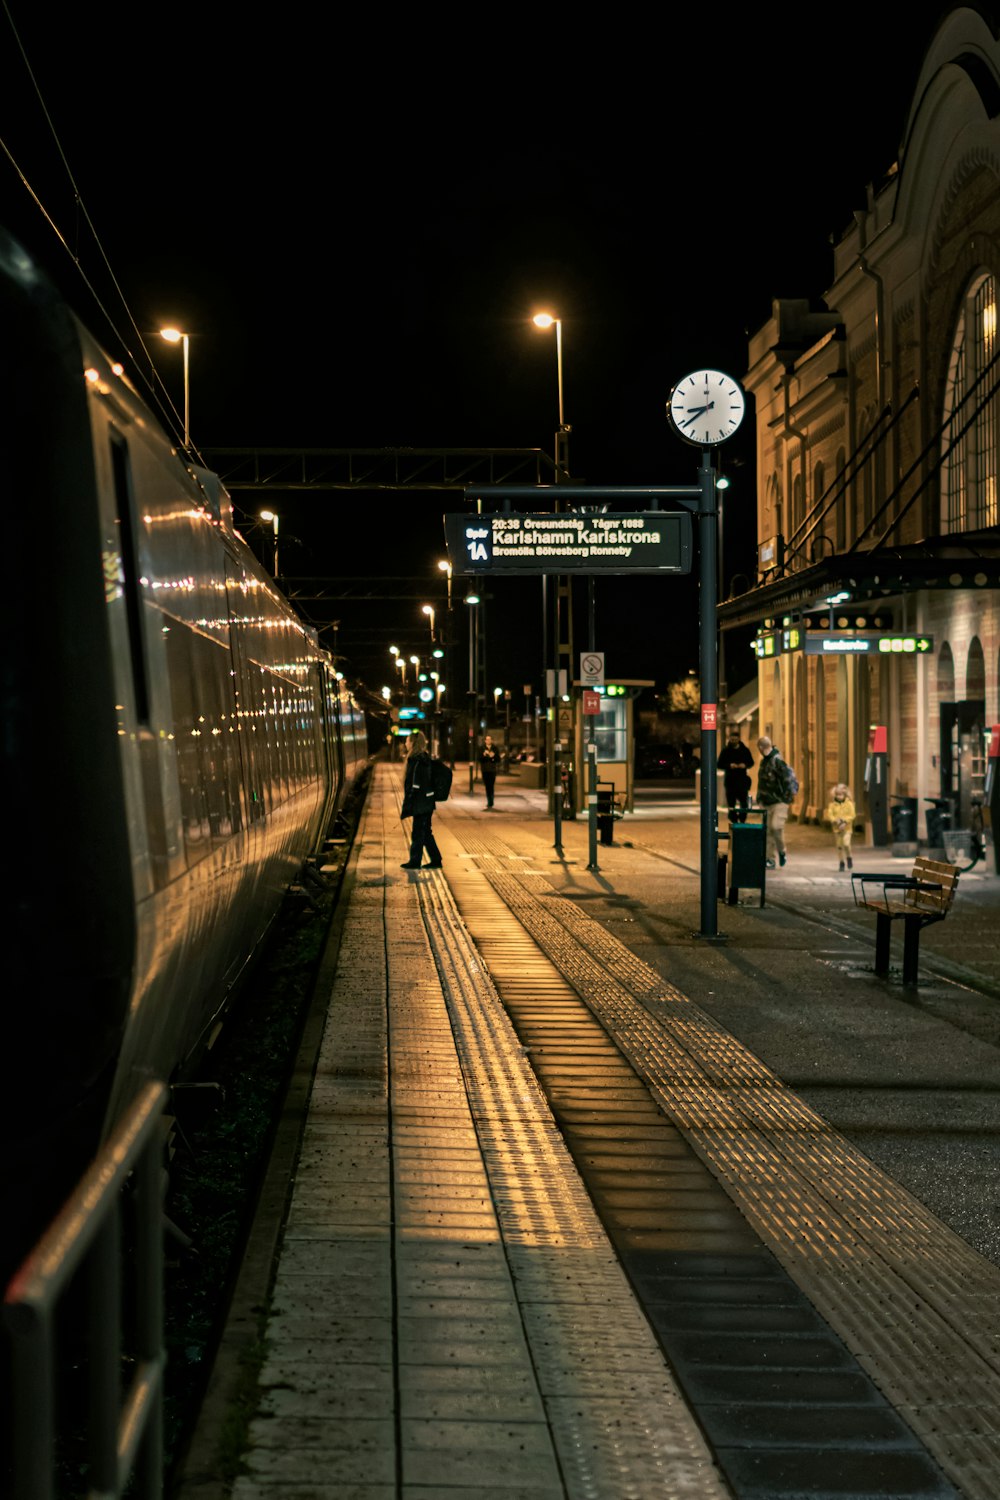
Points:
x=159, y=394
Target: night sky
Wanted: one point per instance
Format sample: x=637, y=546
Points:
x=355, y=220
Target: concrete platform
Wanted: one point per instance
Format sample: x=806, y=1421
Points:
x=585, y=1205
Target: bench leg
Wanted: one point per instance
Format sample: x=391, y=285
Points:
x=911, y=949
x=883, y=929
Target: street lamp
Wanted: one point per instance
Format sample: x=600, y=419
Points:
x=176, y=336
x=546, y=320
x=428, y=610
x=446, y=568
x=272, y=516
x=472, y=600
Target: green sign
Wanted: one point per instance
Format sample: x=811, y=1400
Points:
x=830, y=643
x=570, y=542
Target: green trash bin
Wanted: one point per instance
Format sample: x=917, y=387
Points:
x=748, y=855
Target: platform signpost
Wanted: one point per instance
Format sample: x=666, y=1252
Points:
x=617, y=529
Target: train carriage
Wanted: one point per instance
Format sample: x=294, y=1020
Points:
x=175, y=745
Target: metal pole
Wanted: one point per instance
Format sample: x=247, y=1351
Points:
x=187, y=397
x=471, y=700
x=708, y=671
x=591, y=743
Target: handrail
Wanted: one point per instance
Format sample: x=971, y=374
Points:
x=122, y=1435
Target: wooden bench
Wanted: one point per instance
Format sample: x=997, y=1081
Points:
x=918, y=899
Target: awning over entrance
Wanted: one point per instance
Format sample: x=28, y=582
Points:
x=969, y=562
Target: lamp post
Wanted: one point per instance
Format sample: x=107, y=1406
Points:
x=428, y=610
x=547, y=320
x=177, y=336
x=446, y=568
x=272, y=516
x=447, y=636
x=472, y=600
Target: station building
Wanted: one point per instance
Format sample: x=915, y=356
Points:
x=877, y=594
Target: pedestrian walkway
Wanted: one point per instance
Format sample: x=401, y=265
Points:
x=450, y=1315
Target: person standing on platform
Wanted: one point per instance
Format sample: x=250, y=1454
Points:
x=418, y=803
x=735, y=761
x=777, y=786
x=840, y=813
x=489, y=764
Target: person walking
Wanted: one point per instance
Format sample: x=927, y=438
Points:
x=418, y=803
x=777, y=786
x=489, y=764
x=840, y=813
x=735, y=761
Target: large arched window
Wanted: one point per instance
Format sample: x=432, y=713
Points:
x=842, y=494
x=969, y=456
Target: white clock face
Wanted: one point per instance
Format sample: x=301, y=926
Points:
x=706, y=407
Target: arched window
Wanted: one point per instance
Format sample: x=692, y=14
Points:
x=796, y=511
x=842, y=493
x=969, y=457
x=820, y=542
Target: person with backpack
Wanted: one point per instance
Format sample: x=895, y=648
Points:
x=418, y=803
x=777, y=786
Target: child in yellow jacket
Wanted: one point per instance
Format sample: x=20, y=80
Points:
x=840, y=814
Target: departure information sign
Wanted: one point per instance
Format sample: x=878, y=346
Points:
x=625, y=542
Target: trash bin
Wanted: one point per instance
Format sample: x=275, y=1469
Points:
x=938, y=821
x=904, y=822
x=747, y=855
x=606, y=811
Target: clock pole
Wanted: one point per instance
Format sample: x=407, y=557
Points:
x=708, y=670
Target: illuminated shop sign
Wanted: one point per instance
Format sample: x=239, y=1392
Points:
x=637, y=542
x=879, y=644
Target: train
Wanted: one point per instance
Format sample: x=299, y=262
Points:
x=176, y=745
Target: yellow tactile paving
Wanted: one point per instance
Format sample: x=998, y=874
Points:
x=916, y=1305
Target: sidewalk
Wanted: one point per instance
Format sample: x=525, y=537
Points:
x=964, y=947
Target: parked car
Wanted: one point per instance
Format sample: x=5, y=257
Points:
x=663, y=761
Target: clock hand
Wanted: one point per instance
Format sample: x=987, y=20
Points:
x=695, y=411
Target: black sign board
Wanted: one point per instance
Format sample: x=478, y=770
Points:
x=570, y=542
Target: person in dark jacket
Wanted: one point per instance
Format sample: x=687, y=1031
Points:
x=489, y=765
x=735, y=761
x=418, y=803
x=774, y=794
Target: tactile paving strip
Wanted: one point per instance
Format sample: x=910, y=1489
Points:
x=914, y=1303
x=449, y=1317
x=620, y=1425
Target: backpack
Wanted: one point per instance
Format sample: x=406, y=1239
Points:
x=791, y=784
x=441, y=775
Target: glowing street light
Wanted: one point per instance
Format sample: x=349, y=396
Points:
x=428, y=610
x=445, y=567
x=548, y=320
x=176, y=336
x=272, y=516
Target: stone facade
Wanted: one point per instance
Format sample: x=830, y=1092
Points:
x=852, y=396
